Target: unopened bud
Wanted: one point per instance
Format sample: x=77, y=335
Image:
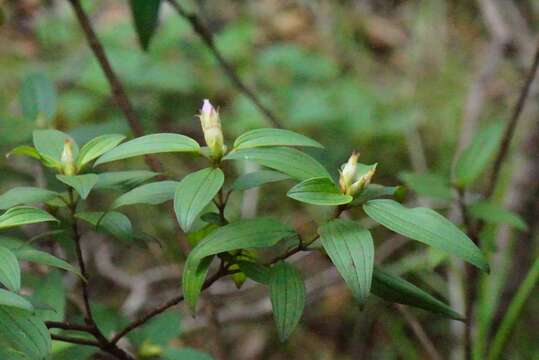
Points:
x=68, y=164
x=211, y=126
x=363, y=181
x=349, y=171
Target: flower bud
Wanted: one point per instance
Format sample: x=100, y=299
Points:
x=363, y=181
x=348, y=172
x=68, y=164
x=211, y=126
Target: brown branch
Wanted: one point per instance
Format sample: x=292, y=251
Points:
x=207, y=37
x=69, y=326
x=511, y=125
x=74, y=340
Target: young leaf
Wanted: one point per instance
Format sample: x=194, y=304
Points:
x=10, y=270
x=497, y=214
x=24, y=150
x=194, y=193
x=50, y=145
x=375, y=191
x=395, y=289
x=428, y=184
x=154, y=193
x=252, y=233
x=24, y=215
x=25, y=195
x=145, y=16
x=273, y=137
x=351, y=249
x=97, y=147
x=287, y=294
x=150, y=144
x=476, y=157
x=427, y=226
x=37, y=98
x=257, y=178
x=82, y=184
x=318, y=191
x=10, y=299
x=29, y=254
x=24, y=332
x=293, y=162
x=113, y=223
x=123, y=179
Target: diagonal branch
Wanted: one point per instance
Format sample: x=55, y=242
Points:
x=207, y=37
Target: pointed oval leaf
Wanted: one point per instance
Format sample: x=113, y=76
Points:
x=252, y=233
x=243, y=234
x=290, y=161
x=10, y=299
x=428, y=184
x=145, y=16
x=287, y=294
x=318, y=191
x=37, y=97
x=257, y=178
x=50, y=144
x=194, y=193
x=375, y=191
x=273, y=137
x=497, y=214
x=24, y=150
x=30, y=254
x=476, y=157
x=113, y=223
x=123, y=179
x=97, y=147
x=350, y=247
x=24, y=215
x=150, y=144
x=82, y=184
x=25, y=195
x=154, y=194
x=10, y=270
x=24, y=332
x=427, y=226
x=394, y=289
x=257, y=272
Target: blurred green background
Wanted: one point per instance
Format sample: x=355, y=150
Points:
x=394, y=80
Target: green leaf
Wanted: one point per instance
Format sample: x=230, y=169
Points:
x=10, y=270
x=273, y=137
x=150, y=144
x=318, y=191
x=375, y=191
x=24, y=332
x=82, y=184
x=287, y=294
x=397, y=290
x=50, y=290
x=37, y=97
x=113, y=223
x=97, y=147
x=145, y=16
x=293, y=162
x=257, y=272
x=497, y=214
x=25, y=150
x=476, y=157
x=123, y=179
x=427, y=226
x=428, y=184
x=194, y=193
x=10, y=299
x=257, y=178
x=154, y=194
x=160, y=330
x=351, y=249
x=25, y=195
x=24, y=215
x=252, y=233
x=30, y=254
x=50, y=145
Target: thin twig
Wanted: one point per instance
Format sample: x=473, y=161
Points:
x=75, y=340
x=69, y=326
x=207, y=37
x=511, y=125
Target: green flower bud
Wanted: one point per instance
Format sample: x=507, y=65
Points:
x=68, y=163
x=211, y=126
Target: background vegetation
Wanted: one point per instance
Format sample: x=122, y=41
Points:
x=406, y=83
